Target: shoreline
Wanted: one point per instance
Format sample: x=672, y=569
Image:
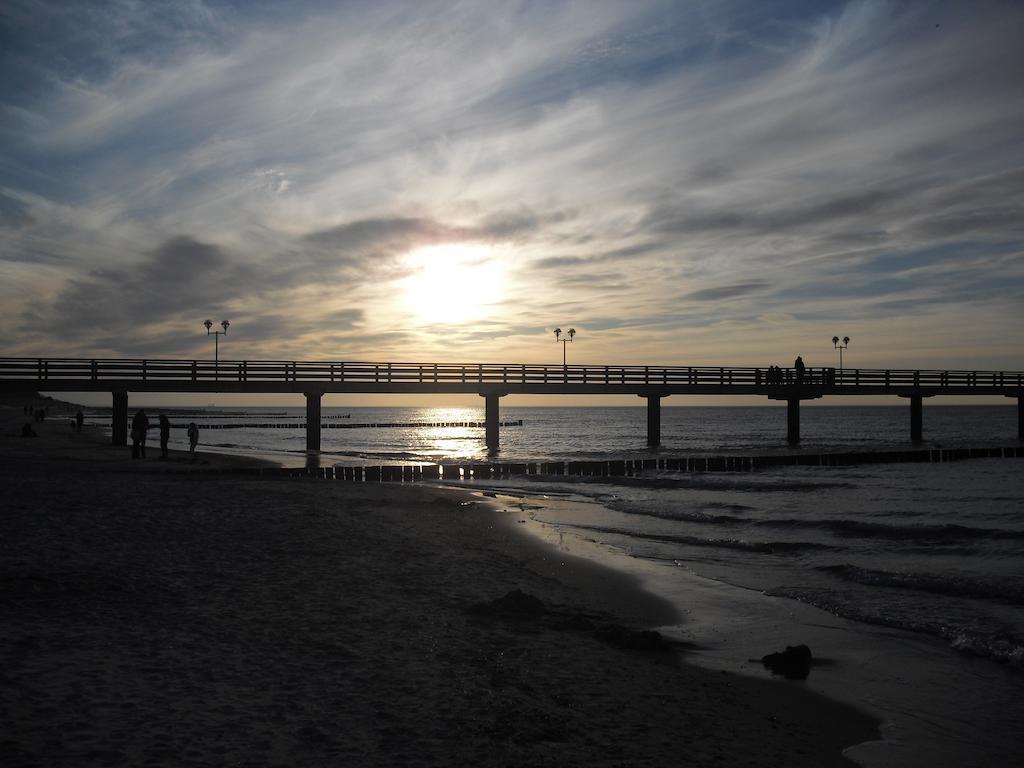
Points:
x=888, y=673
x=311, y=621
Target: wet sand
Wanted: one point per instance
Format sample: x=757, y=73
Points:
x=156, y=618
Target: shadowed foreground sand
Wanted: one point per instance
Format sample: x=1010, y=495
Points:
x=148, y=618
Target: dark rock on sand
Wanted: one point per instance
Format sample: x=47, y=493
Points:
x=632, y=640
x=576, y=622
x=516, y=604
x=794, y=663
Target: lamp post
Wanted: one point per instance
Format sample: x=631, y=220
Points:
x=840, y=347
x=216, y=342
x=569, y=334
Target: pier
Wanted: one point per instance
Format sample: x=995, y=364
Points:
x=492, y=381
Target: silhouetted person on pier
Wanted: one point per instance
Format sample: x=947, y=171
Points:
x=193, y=437
x=140, y=423
x=79, y=419
x=798, y=366
x=165, y=434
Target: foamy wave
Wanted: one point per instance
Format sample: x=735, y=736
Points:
x=763, y=547
x=861, y=529
x=1009, y=650
x=1001, y=647
x=955, y=584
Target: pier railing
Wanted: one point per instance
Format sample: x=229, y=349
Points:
x=98, y=371
x=153, y=370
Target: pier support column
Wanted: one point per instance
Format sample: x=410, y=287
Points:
x=119, y=420
x=653, y=420
x=313, y=420
x=916, y=413
x=793, y=420
x=491, y=420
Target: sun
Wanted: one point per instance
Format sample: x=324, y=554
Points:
x=452, y=283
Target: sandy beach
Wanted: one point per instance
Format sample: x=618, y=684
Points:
x=151, y=617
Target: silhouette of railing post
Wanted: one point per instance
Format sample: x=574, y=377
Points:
x=313, y=420
x=119, y=419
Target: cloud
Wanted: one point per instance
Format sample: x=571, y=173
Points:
x=178, y=277
x=393, y=234
x=617, y=255
x=13, y=212
x=723, y=292
x=162, y=163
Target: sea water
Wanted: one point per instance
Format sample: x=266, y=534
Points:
x=582, y=433
x=907, y=580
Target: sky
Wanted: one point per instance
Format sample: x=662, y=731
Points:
x=683, y=183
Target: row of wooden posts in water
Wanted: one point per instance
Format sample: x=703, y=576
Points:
x=374, y=425
x=621, y=467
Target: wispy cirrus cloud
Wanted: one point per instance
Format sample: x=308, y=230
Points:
x=685, y=182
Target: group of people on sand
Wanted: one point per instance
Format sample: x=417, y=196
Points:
x=37, y=414
x=141, y=426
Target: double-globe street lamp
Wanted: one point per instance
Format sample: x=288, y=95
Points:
x=216, y=342
x=841, y=347
x=558, y=332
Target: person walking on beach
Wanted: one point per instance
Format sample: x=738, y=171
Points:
x=165, y=434
x=140, y=424
x=798, y=366
x=79, y=419
x=193, y=438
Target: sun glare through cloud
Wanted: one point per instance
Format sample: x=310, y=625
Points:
x=452, y=283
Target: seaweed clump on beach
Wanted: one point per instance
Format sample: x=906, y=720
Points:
x=794, y=663
x=513, y=605
x=632, y=640
x=521, y=606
